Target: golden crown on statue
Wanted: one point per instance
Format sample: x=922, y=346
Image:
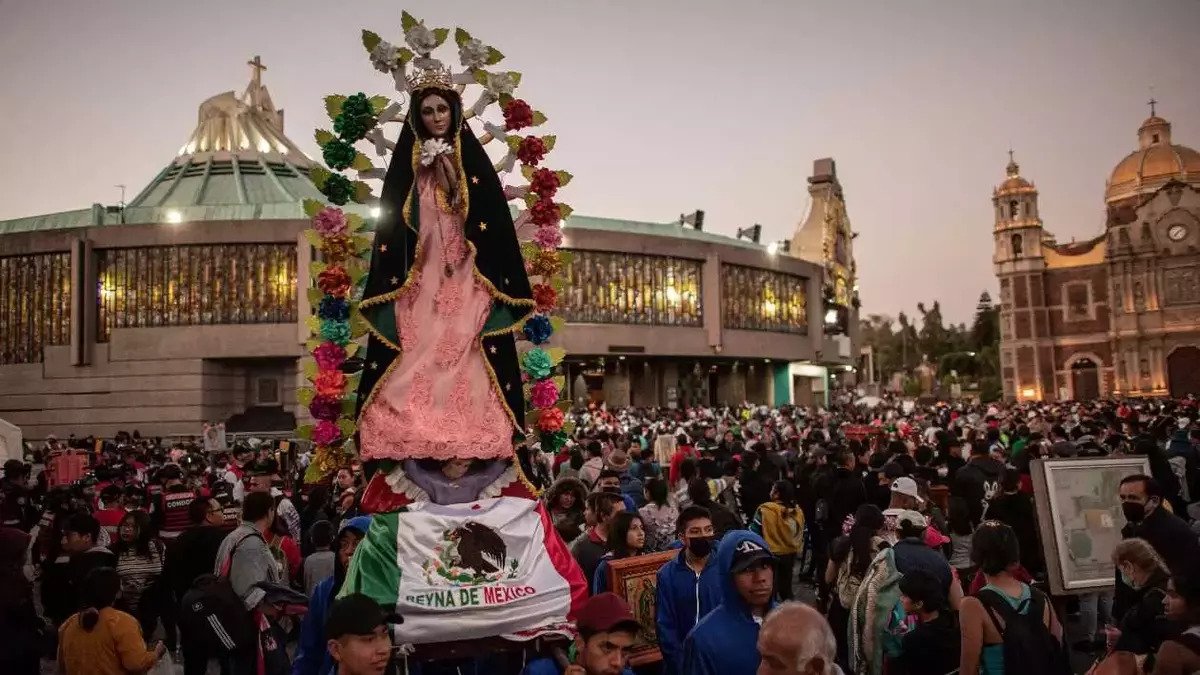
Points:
x=430, y=78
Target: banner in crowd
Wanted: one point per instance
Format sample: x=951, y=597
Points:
x=465, y=571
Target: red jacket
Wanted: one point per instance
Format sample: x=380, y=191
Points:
x=681, y=453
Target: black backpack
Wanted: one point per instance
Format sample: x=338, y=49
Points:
x=1029, y=646
x=213, y=615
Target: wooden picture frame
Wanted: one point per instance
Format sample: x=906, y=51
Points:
x=1079, y=518
x=636, y=581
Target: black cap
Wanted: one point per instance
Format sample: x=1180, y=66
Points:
x=356, y=614
x=748, y=554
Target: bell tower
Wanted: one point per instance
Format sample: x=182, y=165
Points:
x=1018, y=227
x=1026, y=370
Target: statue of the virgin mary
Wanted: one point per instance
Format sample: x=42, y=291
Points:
x=446, y=291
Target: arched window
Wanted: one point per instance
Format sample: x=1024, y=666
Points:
x=1014, y=210
x=1016, y=245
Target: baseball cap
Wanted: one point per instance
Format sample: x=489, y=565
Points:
x=907, y=486
x=912, y=519
x=747, y=554
x=356, y=614
x=605, y=612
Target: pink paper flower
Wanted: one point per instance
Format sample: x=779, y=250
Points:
x=330, y=221
x=326, y=433
x=543, y=394
x=548, y=237
x=329, y=356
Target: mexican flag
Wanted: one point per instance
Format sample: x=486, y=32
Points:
x=492, y=567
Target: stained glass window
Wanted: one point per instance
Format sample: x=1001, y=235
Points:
x=196, y=285
x=631, y=288
x=758, y=299
x=35, y=305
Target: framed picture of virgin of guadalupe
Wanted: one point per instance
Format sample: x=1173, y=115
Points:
x=1080, y=519
x=635, y=579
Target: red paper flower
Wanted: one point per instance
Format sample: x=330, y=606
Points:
x=517, y=115
x=550, y=420
x=334, y=281
x=531, y=151
x=545, y=297
x=330, y=383
x=544, y=183
x=544, y=212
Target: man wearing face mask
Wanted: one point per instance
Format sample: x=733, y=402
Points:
x=1147, y=518
x=688, y=587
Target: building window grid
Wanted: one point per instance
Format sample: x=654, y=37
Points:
x=630, y=288
x=196, y=285
x=35, y=305
x=759, y=299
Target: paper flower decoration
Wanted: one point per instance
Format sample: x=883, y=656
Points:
x=501, y=84
x=334, y=309
x=546, y=263
x=421, y=39
x=386, y=57
x=329, y=356
x=330, y=222
x=543, y=394
x=338, y=189
x=538, y=329
x=326, y=432
x=551, y=419
x=545, y=212
x=334, y=281
x=531, y=150
x=517, y=115
x=545, y=297
x=330, y=383
x=337, y=332
x=432, y=149
x=338, y=154
x=337, y=248
x=548, y=237
x=536, y=363
x=543, y=183
x=325, y=408
x=553, y=442
x=473, y=53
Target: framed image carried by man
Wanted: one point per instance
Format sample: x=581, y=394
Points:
x=635, y=579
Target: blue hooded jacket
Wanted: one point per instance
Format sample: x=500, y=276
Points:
x=312, y=656
x=725, y=641
x=683, y=598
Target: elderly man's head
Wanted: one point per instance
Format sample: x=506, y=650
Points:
x=796, y=640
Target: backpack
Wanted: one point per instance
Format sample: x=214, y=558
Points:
x=214, y=615
x=1029, y=646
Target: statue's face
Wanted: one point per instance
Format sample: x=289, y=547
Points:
x=435, y=114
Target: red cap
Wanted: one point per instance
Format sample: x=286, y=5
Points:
x=605, y=612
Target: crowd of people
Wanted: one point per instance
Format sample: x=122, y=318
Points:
x=894, y=539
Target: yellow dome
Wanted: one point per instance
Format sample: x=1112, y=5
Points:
x=1153, y=164
x=1014, y=184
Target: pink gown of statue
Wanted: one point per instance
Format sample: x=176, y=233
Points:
x=438, y=401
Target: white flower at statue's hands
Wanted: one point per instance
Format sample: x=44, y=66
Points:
x=473, y=53
x=500, y=83
x=420, y=38
x=432, y=149
x=386, y=57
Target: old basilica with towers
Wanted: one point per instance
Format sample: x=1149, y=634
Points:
x=1116, y=315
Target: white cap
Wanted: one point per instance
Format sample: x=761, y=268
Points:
x=907, y=486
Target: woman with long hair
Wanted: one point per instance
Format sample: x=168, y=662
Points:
x=659, y=515
x=687, y=472
x=139, y=567
x=101, y=639
x=849, y=558
x=565, y=504
x=781, y=523
x=1180, y=655
x=626, y=538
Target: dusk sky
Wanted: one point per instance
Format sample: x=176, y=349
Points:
x=660, y=107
